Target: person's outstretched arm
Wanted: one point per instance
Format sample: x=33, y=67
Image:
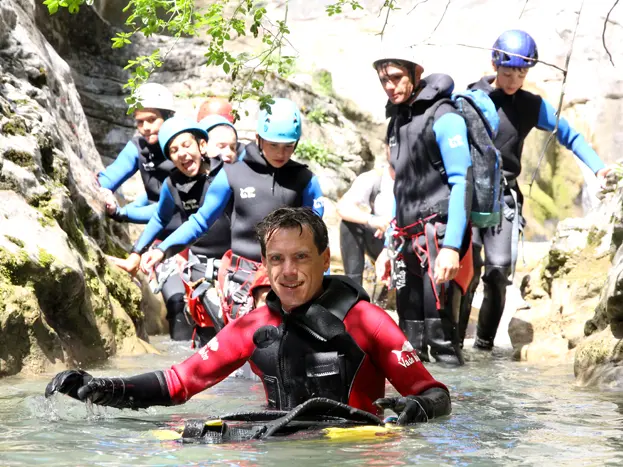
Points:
x=422, y=396
x=214, y=204
x=138, y=211
x=164, y=211
x=569, y=137
x=124, y=166
x=211, y=364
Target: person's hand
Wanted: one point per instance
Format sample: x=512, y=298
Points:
x=409, y=409
x=82, y=386
x=150, y=260
x=382, y=268
x=446, y=265
x=380, y=224
x=110, y=202
x=602, y=176
x=68, y=382
x=129, y=265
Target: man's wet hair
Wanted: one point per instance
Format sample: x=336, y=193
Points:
x=292, y=218
x=409, y=66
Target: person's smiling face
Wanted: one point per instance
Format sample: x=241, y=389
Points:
x=295, y=266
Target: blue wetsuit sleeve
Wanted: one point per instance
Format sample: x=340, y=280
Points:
x=214, y=204
x=138, y=214
x=568, y=137
x=164, y=211
x=389, y=233
x=138, y=211
x=312, y=195
x=125, y=165
x=451, y=135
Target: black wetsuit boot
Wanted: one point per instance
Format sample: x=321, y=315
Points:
x=492, y=308
x=414, y=330
x=442, y=333
x=180, y=323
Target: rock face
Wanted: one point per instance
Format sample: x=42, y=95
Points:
x=575, y=308
x=60, y=302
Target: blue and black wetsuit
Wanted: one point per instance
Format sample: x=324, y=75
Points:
x=519, y=114
x=154, y=168
x=256, y=189
x=181, y=195
x=431, y=213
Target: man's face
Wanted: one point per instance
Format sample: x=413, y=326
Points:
x=396, y=82
x=148, y=123
x=277, y=154
x=186, y=153
x=222, y=142
x=295, y=268
x=510, y=80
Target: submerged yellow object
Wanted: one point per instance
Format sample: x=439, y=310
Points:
x=360, y=432
x=166, y=435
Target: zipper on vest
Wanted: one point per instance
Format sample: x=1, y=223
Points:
x=312, y=333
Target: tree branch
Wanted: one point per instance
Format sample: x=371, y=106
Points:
x=439, y=22
x=603, y=34
x=389, y=4
x=416, y=5
x=523, y=9
x=469, y=46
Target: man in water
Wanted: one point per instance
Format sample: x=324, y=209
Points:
x=317, y=336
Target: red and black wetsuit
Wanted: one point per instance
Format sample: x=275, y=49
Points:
x=339, y=346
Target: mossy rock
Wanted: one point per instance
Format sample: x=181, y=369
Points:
x=21, y=158
x=16, y=126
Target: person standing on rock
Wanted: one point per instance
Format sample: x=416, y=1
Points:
x=514, y=53
x=142, y=154
x=197, y=161
x=429, y=239
x=316, y=337
x=265, y=180
x=366, y=210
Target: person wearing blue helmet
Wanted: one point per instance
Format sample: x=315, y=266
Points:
x=266, y=179
x=514, y=53
x=185, y=143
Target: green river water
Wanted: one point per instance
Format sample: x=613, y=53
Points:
x=504, y=413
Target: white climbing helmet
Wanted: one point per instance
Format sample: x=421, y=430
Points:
x=397, y=51
x=155, y=96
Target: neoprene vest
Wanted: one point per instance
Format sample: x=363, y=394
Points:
x=153, y=166
x=154, y=169
x=258, y=189
x=310, y=354
x=189, y=194
x=419, y=188
x=518, y=114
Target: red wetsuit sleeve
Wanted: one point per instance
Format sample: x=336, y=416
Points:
x=225, y=353
x=383, y=341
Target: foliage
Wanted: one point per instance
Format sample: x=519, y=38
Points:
x=318, y=115
x=323, y=83
x=223, y=21
x=317, y=153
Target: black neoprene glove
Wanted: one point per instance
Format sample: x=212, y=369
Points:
x=136, y=392
x=432, y=403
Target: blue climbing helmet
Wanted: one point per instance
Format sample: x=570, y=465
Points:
x=176, y=125
x=212, y=121
x=515, y=42
x=283, y=124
